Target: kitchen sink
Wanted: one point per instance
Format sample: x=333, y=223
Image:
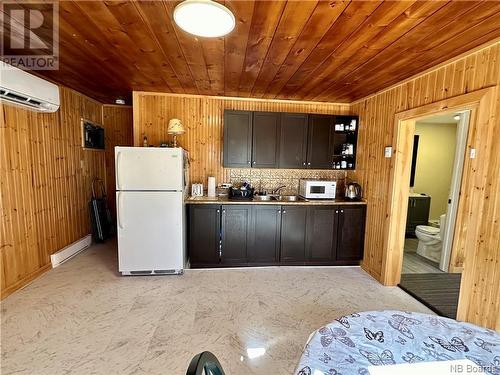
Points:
x=282, y=198
x=287, y=198
x=262, y=198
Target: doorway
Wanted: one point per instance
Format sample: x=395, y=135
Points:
x=439, y=146
x=467, y=249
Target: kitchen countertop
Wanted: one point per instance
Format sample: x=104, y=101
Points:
x=309, y=202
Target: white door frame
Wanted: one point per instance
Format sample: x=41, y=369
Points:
x=456, y=183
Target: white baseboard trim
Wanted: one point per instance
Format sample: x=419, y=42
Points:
x=70, y=251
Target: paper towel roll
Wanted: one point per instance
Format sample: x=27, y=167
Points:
x=211, y=186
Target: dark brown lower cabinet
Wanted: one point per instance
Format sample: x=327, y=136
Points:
x=204, y=238
x=265, y=235
x=350, y=233
x=235, y=233
x=293, y=234
x=321, y=245
x=246, y=235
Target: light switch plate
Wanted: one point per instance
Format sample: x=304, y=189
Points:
x=472, y=153
x=388, y=152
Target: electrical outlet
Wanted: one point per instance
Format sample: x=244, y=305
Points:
x=388, y=152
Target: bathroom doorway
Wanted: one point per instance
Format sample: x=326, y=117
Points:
x=428, y=272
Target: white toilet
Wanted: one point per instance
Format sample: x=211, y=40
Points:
x=430, y=240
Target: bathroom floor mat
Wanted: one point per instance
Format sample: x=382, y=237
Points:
x=438, y=291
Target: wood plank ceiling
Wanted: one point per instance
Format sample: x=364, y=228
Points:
x=335, y=51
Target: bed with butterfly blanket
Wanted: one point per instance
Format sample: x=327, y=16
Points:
x=354, y=342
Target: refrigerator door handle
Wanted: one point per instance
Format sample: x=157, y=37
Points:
x=118, y=157
x=120, y=209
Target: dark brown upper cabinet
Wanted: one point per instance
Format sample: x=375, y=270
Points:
x=293, y=140
x=238, y=139
x=288, y=140
x=265, y=145
x=319, y=148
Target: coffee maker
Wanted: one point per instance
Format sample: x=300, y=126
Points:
x=353, y=191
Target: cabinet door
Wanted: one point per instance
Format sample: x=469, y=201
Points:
x=319, y=148
x=321, y=234
x=421, y=208
x=410, y=221
x=293, y=234
x=351, y=233
x=204, y=235
x=237, y=139
x=265, y=235
x=293, y=140
x=418, y=213
x=266, y=127
x=235, y=229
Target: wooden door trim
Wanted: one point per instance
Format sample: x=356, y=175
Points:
x=481, y=105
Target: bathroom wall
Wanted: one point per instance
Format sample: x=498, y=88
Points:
x=436, y=153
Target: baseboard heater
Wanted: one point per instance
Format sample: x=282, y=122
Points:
x=70, y=251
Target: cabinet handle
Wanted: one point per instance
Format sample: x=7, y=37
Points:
x=308, y=163
x=342, y=211
x=223, y=211
x=336, y=211
x=304, y=163
x=249, y=163
x=218, y=210
x=284, y=211
x=279, y=211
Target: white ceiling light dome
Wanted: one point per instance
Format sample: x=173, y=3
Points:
x=204, y=18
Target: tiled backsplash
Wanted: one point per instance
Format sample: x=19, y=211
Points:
x=269, y=179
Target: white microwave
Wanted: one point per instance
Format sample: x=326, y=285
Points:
x=315, y=189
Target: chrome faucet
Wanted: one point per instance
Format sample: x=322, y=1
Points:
x=277, y=190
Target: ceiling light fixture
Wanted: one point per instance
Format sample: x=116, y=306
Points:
x=204, y=18
x=120, y=101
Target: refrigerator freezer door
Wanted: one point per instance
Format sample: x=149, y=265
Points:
x=143, y=168
x=150, y=231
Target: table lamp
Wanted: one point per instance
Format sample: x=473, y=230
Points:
x=175, y=127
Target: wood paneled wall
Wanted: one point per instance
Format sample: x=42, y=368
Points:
x=202, y=117
x=476, y=70
x=117, y=122
x=45, y=182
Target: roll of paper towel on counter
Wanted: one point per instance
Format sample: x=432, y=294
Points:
x=211, y=186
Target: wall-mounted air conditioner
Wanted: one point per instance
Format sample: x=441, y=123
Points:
x=21, y=88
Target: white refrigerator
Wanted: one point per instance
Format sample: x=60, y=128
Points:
x=151, y=184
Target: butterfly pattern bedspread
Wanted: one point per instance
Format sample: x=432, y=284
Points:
x=354, y=342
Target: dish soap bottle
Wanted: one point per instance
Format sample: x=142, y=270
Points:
x=145, y=141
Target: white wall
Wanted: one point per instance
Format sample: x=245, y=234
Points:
x=436, y=153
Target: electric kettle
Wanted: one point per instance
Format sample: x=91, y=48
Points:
x=353, y=191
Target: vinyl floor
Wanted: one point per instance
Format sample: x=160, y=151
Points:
x=83, y=318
